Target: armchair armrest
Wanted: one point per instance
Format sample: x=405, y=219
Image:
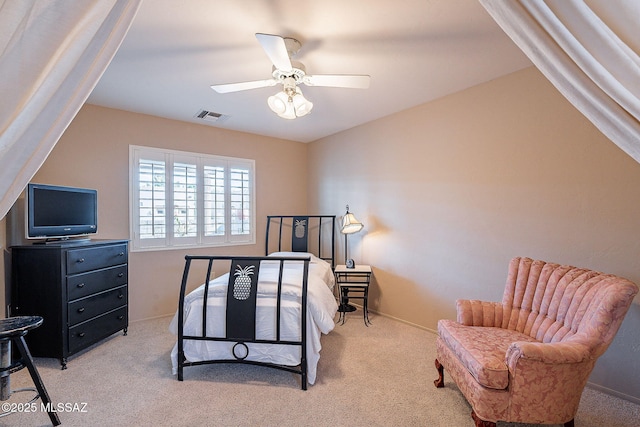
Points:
x=479, y=313
x=554, y=373
x=551, y=353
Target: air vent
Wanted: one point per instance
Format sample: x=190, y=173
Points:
x=210, y=116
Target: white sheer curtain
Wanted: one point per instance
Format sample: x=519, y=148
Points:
x=589, y=50
x=52, y=54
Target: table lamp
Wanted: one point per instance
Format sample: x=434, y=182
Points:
x=350, y=225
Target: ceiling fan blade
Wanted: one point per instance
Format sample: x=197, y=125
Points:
x=338, y=80
x=236, y=87
x=276, y=50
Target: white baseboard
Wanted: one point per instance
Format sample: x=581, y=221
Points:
x=615, y=393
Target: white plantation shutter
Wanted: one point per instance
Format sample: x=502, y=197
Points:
x=185, y=203
x=148, y=196
x=152, y=199
x=181, y=199
x=241, y=201
x=214, y=201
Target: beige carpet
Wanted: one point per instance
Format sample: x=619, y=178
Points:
x=376, y=376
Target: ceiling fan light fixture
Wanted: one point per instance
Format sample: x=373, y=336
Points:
x=281, y=104
x=290, y=103
x=301, y=105
x=278, y=103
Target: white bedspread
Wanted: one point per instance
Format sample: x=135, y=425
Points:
x=321, y=310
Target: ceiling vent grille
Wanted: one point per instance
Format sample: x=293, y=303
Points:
x=210, y=116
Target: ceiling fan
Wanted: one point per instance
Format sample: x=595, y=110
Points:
x=290, y=103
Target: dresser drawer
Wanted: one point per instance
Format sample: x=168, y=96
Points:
x=86, y=259
x=94, y=305
x=87, y=333
x=84, y=284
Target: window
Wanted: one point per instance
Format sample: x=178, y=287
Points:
x=180, y=199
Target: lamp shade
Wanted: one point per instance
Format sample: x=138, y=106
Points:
x=279, y=104
x=301, y=104
x=290, y=103
x=350, y=224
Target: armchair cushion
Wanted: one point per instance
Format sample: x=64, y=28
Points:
x=481, y=350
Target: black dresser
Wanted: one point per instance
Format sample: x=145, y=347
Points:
x=79, y=289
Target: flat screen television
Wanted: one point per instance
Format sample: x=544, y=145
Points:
x=57, y=212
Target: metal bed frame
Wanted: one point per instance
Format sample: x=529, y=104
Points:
x=241, y=306
x=318, y=229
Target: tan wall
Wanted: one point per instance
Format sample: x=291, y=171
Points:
x=94, y=153
x=450, y=190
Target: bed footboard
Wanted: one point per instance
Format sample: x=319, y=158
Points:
x=243, y=292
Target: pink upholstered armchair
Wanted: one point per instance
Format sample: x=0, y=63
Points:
x=528, y=358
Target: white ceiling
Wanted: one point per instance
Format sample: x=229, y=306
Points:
x=414, y=50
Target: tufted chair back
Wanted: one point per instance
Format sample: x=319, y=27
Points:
x=553, y=303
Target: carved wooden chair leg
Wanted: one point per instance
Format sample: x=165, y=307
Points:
x=440, y=381
x=481, y=423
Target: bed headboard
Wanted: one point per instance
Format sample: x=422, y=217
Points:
x=302, y=233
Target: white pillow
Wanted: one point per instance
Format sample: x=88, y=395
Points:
x=318, y=266
x=296, y=255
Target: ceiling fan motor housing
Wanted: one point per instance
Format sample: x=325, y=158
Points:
x=298, y=72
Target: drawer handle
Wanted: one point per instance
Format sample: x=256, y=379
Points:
x=120, y=274
x=81, y=335
x=120, y=317
x=81, y=285
x=81, y=310
x=80, y=260
x=121, y=254
x=120, y=296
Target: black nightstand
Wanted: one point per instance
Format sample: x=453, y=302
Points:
x=353, y=281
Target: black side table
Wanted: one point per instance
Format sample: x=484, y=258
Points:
x=352, y=281
x=12, y=331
